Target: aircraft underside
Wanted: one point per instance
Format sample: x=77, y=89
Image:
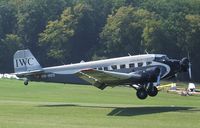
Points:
x=142, y=90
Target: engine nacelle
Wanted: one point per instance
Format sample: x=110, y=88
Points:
x=150, y=74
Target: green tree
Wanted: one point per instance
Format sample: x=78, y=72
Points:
x=7, y=19
x=8, y=47
x=123, y=31
x=158, y=39
x=32, y=17
x=193, y=42
x=57, y=33
x=74, y=33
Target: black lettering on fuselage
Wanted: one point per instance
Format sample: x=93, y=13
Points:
x=24, y=62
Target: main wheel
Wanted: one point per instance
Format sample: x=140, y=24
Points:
x=26, y=82
x=152, y=91
x=141, y=94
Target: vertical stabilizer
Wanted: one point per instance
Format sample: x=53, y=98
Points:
x=24, y=61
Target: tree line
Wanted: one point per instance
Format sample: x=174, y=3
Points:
x=68, y=31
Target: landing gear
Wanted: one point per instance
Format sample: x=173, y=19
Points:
x=26, y=82
x=152, y=91
x=144, y=90
x=141, y=93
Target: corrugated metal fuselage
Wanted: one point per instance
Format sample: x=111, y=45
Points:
x=128, y=64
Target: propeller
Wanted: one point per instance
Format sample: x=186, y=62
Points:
x=189, y=67
x=190, y=70
x=186, y=66
x=158, y=80
x=158, y=72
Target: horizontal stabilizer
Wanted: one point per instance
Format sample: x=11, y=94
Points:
x=28, y=73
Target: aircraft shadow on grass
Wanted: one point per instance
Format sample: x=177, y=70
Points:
x=132, y=111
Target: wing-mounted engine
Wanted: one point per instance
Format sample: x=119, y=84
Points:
x=149, y=75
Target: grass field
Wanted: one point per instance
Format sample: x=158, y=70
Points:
x=44, y=105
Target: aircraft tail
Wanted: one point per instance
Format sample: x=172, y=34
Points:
x=24, y=61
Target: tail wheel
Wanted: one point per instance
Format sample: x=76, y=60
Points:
x=141, y=93
x=152, y=91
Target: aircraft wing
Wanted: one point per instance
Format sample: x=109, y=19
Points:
x=102, y=78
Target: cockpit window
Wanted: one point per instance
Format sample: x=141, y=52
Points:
x=161, y=58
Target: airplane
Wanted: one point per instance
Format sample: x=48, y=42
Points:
x=142, y=72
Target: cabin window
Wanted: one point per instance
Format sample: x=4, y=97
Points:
x=149, y=63
x=140, y=64
x=114, y=67
x=106, y=68
x=100, y=68
x=122, y=66
x=131, y=65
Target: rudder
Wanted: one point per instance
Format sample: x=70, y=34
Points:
x=25, y=61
